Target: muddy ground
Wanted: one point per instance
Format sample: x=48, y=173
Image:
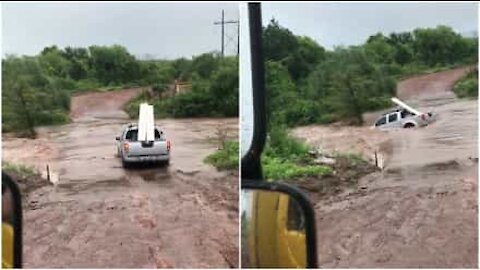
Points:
x=98, y=214
x=421, y=210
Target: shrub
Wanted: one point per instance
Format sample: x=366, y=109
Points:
x=287, y=157
x=280, y=169
x=18, y=169
x=281, y=144
x=467, y=86
x=226, y=158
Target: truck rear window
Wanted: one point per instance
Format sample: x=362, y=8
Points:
x=132, y=135
x=405, y=113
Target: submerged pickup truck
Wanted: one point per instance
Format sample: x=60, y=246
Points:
x=404, y=117
x=130, y=150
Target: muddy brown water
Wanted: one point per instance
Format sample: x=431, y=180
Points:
x=101, y=215
x=422, y=210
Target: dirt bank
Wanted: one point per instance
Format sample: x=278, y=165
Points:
x=100, y=215
x=101, y=104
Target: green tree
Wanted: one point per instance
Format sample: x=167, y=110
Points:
x=79, y=62
x=18, y=95
x=224, y=87
x=403, y=54
x=379, y=49
x=53, y=63
x=351, y=84
x=438, y=46
x=113, y=65
x=158, y=73
x=278, y=42
x=205, y=64
x=280, y=92
x=404, y=38
x=182, y=68
x=304, y=59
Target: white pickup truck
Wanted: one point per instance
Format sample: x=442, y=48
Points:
x=131, y=150
x=404, y=117
x=143, y=142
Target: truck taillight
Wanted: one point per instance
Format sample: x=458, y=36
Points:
x=423, y=117
x=169, y=145
x=126, y=147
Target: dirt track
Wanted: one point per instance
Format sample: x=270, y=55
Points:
x=100, y=215
x=422, y=210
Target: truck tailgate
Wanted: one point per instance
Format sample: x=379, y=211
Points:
x=144, y=149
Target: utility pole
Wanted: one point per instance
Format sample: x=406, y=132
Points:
x=222, y=23
x=238, y=38
x=223, y=32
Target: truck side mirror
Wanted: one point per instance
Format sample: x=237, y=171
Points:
x=278, y=227
x=117, y=138
x=11, y=224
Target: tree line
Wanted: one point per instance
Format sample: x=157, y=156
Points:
x=308, y=84
x=36, y=89
x=214, y=91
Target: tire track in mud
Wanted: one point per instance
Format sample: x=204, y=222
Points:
x=100, y=215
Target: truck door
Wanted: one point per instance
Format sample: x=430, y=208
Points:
x=393, y=120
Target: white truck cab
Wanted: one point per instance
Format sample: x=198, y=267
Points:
x=403, y=117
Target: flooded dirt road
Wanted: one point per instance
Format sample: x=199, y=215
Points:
x=101, y=215
x=421, y=210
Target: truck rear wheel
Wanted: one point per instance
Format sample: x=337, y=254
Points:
x=409, y=125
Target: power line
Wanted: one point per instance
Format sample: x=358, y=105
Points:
x=223, y=23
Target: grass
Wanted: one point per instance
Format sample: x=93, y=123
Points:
x=27, y=178
x=286, y=157
x=278, y=169
x=281, y=144
x=19, y=170
x=225, y=158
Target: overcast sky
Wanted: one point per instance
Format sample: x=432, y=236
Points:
x=164, y=30
x=171, y=30
x=333, y=24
